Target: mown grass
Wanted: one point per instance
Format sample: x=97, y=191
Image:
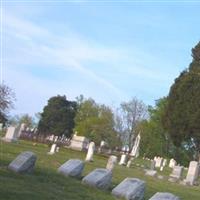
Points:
x=44, y=183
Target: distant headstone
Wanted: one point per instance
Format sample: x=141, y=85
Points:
x=151, y=172
x=159, y=161
x=73, y=167
x=99, y=178
x=53, y=148
x=57, y=149
x=164, y=162
x=129, y=163
x=111, y=162
x=164, y=196
x=152, y=166
x=11, y=134
x=123, y=159
x=192, y=174
x=23, y=163
x=130, y=189
x=176, y=173
x=90, y=153
x=135, y=149
x=79, y=143
x=21, y=129
x=172, y=163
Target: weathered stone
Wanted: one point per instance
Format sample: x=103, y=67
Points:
x=159, y=161
x=176, y=173
x=73, y=167
x=172, y=163
x=129, y=163
x=53, y=148
x=90, y=153
x=99, y=178
x=130, y=189
x=164, y=196
x=151, y=172
x=11, y=134
x=123, y=159
x=23, y=163
x=192, y=174
x=79, y=143
x=152, y=166
x=111, y=162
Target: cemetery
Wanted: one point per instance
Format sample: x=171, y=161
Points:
x=66, y=175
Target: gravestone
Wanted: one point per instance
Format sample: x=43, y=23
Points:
x=53, y=148
x=21, y=129
x=11, y=134
x=152, y=165
x=73, y=167
x=102, y=145
x=123, y=159
x=79, y=143
x=176, y=173
x=129, y=163
x=164, y=162
x=130, y=189
x=99, y=178
x=111, y=162
x=23, y=163
x=90, y=153
x=57, y=149
x=135, y=149
x=159, y=161
x=164, y=196
x=172, y=163
x=1, y=126
x=150, y=172
x=192, y=174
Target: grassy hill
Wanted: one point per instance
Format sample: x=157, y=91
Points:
x=45, y=183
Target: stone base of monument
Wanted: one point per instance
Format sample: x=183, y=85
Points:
x=151, y=172
x=23, y=163
x=164, y=196
x=73, y=167
x=130, y=189
x=99, y=178
x=9, y=139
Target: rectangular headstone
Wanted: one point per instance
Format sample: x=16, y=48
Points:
x=99, y=178
x=23, y=163
x=177, y=172
x=192, y=173
x=11, y=134
x=79, y=143
x=151, y=172
x=164, y=196
x=73, y=167
x=130, y=189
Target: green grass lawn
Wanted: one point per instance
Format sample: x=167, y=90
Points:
x=45, y=183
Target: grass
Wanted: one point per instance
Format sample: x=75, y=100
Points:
x=44, y=183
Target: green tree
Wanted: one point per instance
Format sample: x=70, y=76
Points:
x=58, y=117
x=182, y=115
x=96, y=122
x=7, y=98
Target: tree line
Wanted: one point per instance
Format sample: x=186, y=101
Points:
x=171, y=128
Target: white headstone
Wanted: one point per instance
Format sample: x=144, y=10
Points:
x=172, y=163
x=21, y=129
x=159, y=161
x=176, y=173
x=53, y=148
x=73, y=167
x=164, y=196
x=57, y=149
x=111, y=162
x=90, y=152
x=130, y=189
x=79, y=143
x=135, y=149
x=129, y=163
x=11, y=134
x=123, y=159
x=164, y=162
x=23, y=163
x=99, y=178
x=153, y=163
x=151, y=172
x=192, y=174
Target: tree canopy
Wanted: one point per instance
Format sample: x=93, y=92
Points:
x=182, y=115
x=58, y=116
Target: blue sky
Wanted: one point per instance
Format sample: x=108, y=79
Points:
x=110, y=51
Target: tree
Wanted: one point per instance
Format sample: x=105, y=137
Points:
x=7, y=98
x=182, y=115
x=96, y=122
x=129, y=115
x=58, y=117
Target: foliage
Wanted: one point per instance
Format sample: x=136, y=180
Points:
x=182, y=115
x=7, y=97
x=58, y=117
x=128, y=116
x=96, y=122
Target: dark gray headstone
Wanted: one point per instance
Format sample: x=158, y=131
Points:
x=130, y=189
x=23, y=163
x=99, y=178
x=164, y=196
x=73, y=167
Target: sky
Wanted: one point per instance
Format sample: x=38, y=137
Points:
x=111, y=51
